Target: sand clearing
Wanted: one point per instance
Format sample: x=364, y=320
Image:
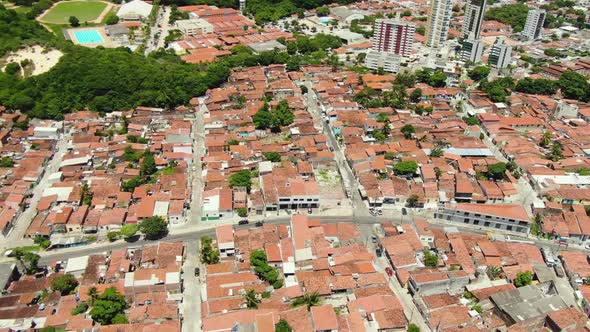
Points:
x=42, y=61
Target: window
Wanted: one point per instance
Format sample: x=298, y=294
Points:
x=497, y=225
x=465, y=213
x=486, y=224
x=488, y=217
x=508, y=228
x=478, y=215
x=466, y=221
x=476, y=222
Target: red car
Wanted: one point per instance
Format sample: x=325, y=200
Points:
x=389, y=271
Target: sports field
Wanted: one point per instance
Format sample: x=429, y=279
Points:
x=85, y=11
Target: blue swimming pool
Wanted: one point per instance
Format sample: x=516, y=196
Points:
x=325, y=20
x=88, y=37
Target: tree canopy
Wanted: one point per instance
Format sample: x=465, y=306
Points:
x=106, y=80
x=272, y=156
x=153, y=227
x=574, y=86
x=29, y=261
x=408, y=130
x=264, y=271
x=17, y=30
x=64, y=284
x=539, y=86
x=283, y=326
x=209, y=255
x=107, y=306
x=129, y=230
x=406, y=167
x=497, y=170
x=511, y=14
x=430, y=259
x=479, y=73
x=523, y=279
x=241, y=179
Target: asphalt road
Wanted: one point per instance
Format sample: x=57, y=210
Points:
x=191, y=303
x=359, y=206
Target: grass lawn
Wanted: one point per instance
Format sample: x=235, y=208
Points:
x=83, y=10
x=32, y=248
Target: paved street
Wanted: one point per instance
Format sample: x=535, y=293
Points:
x=191, y=305
x=158, y=31
x=196, y=172
x=359, y=206
x=15, y=237
x=163, y=23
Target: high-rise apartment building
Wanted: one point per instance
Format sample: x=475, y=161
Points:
x=393, y=36
x=474, y=12
x=471, y=50
x=533, y=28
x=392, y=40
x=439, y=20
x=500, y=54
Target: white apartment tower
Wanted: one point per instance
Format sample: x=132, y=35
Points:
x=242, y=5
x=474, y=12
x=472, y=50
x=500, y=54
x=439, y=20
x=533, y=28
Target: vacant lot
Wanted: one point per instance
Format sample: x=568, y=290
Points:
x=85, y=11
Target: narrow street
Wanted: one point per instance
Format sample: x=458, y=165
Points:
x=198, y=133
x=359, y=206
x=15, y=237
x=410, y=310
x=191, y=303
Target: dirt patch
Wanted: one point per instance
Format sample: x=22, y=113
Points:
x=41, y=59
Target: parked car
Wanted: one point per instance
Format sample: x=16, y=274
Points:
x=259, y=223
x=197, y=272
x=404, y=211
x=374, y=239
x=380, y=212
x=379, y=252
x=389, y=271
x=243, y=222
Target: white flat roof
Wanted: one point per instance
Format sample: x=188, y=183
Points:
x=77, y=264
x=63, y=193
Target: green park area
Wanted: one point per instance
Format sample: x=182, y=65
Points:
x=85, y=11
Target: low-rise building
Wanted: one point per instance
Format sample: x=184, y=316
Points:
x=194, y=26
x=504, y=217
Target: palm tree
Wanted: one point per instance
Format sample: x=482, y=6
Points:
x=93, y=294
x=251, y=299
x=309, y=300
x=494, y=272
